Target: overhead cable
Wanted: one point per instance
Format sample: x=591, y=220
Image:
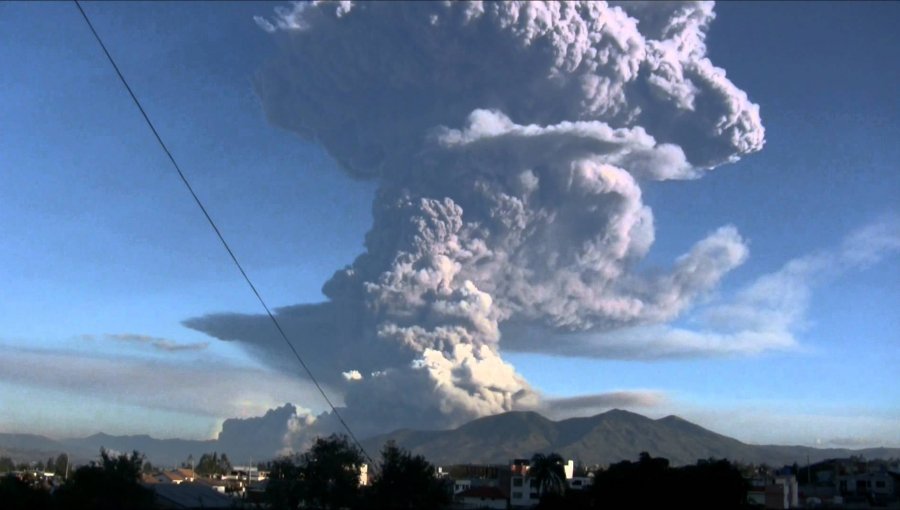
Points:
x=215, y=228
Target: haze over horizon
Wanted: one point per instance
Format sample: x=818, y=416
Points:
x=669, y=208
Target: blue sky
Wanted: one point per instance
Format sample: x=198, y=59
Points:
x=104, y=254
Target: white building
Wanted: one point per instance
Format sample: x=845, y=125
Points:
x=524, y=490
x=579, y=483
x=364, y=474
x=461, y=485
x=782, y=493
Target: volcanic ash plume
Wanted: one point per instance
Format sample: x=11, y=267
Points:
x=508, y=141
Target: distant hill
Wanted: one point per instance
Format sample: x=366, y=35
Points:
x=28, y=447
x=244, y=440
x=602, y=439
x=165, y=452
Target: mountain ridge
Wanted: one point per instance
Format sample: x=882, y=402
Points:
x=604, y=438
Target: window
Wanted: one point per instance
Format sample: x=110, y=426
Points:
x=517, y=495
x=517, y=482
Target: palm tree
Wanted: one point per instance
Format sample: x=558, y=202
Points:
x=549, y=472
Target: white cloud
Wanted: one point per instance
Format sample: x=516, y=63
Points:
x=352, y=375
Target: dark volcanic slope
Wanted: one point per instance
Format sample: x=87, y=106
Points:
x=603, y=439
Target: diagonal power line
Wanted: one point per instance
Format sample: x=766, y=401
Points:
x=215, y=228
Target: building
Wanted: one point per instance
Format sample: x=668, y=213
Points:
x=579, y=483
x=461, y=485
x=364, y=475
x=851, y=481
x=189, y=496
x=781, y=492
x=877, y=483
x=246, y=474
x=524, y=490
x=481, y=497
x=462, y=477
x=173, y=476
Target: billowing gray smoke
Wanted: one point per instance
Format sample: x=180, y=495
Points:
x=508, y=141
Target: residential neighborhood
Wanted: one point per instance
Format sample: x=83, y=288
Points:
x=334, y=474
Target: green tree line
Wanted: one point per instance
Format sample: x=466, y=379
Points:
x=327, y=477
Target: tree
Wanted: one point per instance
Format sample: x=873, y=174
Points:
x=712, y=484
x=124, y=466
x=286, y=487
x=642, y=484
x=7, y=464
x=406, y=482
x=212, y=464
x=61, y=465
x=331, y=470
x=110, y=484
x=651, y=483
x=632, y=484
x=549, y=472
x=325, y=477
x=16, y=494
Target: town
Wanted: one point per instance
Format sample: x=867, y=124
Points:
x=334, y=473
